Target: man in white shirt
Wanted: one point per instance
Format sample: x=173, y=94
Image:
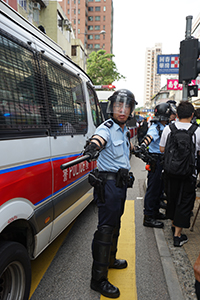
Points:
x=180, y=192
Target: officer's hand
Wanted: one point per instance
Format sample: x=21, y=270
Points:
x=92, y=150
x=137, y=150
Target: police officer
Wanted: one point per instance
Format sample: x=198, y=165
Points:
x=154, y=181
x=111, y=138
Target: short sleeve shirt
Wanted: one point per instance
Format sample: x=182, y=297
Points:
x=154, y=132
x=115, y=155
x=180, y=125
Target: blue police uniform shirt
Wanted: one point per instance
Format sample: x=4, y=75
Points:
x=154, y=132
x=115, y=155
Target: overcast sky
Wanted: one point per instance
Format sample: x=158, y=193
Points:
x=139, y=25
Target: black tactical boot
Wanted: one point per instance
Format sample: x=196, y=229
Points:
x=101, y=253
x=116, y=263
x=151, y=222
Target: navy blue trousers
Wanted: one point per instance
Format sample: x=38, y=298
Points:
x=110, y=212
x=154, y=190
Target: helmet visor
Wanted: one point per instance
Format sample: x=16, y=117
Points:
x=121, y=105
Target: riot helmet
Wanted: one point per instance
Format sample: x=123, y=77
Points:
x=162, y=112
x=172, y=104
x=121, y=100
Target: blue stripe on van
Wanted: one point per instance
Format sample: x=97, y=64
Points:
x=57, y=192
x=12, y=169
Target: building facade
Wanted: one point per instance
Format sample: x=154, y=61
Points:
x=92, y=22
x=152, y=82
x=57, y=26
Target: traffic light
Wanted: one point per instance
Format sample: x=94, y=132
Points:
x=189, y=65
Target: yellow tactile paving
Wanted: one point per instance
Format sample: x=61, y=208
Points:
x=125, y=279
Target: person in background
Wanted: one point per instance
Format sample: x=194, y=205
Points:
x=180, y=191
x=142, y=130
x=154, y=190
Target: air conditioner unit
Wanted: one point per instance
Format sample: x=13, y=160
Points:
x=66, y=22
x=36, y=5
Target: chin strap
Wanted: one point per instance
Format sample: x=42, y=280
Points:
x=118, y=122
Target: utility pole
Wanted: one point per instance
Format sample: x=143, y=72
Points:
x=187, y=37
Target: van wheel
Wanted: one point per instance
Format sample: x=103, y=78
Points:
x=15, y=271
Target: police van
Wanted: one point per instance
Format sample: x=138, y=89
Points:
x=48, y=109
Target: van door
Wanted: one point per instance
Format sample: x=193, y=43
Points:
x=69, y=125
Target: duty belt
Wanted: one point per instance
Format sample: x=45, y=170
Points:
x=108, y=175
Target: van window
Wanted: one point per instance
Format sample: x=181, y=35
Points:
x=37, y=94
x=21, y=97
x=95, y=107
x=66, y=105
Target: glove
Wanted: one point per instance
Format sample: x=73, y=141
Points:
x=92, y=150
x=137, y=150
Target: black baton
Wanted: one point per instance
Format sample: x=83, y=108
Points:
x=74, y=162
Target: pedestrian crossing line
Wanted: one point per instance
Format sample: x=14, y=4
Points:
x=125, y=279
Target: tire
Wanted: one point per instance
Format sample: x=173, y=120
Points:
x=15, y=271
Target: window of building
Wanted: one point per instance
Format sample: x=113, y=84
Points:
x=97, y=8
x=97, y=18
x=90, y=18
x=104, y=8
x=90, y=46
x=68, y=11
x=74, y=11
x=60, y=21
x=104, y=18
x=23, y=3
x=97, y=27
x=79, y=31
x=90, y=0
x=97, y=37
x=79, y=11
x=90, y=37
x=97, y=46
x=74, y=21
x=74, y=50
x=90, y=8
x=97, y=0
x=104, y=27
x=74, y=1
x=79, y=21
x=90, y=27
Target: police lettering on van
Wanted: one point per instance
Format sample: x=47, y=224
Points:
x=48, y=109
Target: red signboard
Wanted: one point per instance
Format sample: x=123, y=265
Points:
x=173, y=84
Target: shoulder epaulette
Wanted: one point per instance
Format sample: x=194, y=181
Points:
x=109, y=123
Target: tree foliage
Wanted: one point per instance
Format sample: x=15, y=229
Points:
x=101, y=68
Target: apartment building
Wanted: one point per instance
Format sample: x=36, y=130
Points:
x=92, y=22
x=152, y=82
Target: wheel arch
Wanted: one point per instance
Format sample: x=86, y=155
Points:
x=15, y=224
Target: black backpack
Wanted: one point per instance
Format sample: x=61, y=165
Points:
x=179, y=155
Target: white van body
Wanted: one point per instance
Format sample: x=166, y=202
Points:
x=48, y=109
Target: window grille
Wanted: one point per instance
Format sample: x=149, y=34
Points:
x=37, y=96
x=66, y=106
x=21, y=95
